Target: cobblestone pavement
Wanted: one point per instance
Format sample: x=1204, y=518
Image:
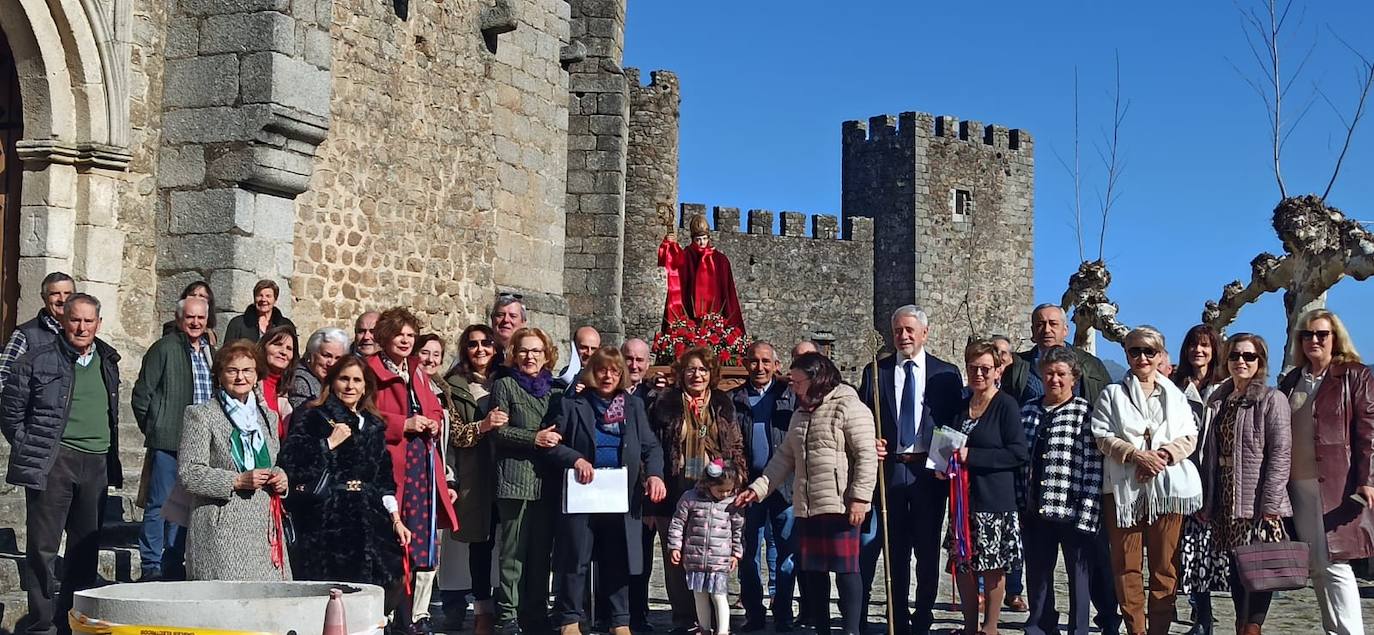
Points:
x=1293, y=612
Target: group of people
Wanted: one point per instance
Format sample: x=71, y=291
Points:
x=370, y=459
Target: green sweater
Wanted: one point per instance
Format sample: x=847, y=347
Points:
x=519, y=474
x=88, y=422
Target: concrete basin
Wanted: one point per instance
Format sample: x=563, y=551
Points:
x=271, y=607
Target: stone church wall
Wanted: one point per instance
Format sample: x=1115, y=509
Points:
x=442, y=175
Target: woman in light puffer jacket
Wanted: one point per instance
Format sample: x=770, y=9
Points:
x=830, y=453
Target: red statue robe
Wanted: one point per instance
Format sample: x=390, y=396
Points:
x=699, y=282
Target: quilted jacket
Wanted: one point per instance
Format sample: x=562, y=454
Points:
x=707, y=532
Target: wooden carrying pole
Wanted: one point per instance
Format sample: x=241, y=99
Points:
x=874, y=347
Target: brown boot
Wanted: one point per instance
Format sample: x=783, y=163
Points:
x=483, y=624
x=620, y=630
x=570, y=629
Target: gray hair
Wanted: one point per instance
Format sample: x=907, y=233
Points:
x=1061, y=355
x=1050, y=305
x=503, y=301
x=634, y=342
x=911, y=310
x=54, y=278
x=86, y=298
x=1000, y=338
x=330, y=334
x=757, y=343
x=181, y=305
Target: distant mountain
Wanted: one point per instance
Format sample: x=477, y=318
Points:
x=1114, y=369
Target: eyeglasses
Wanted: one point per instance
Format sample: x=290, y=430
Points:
x=529, y=352
x=1248, y=356
x=981, y=370
x=1319, y=336
x=472, y=344
x=695, y=370
x=1141, y=351
x=239, y=372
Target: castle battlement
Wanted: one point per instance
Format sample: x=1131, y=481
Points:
x=791, y=224
x=660, y=81
x=907, y=127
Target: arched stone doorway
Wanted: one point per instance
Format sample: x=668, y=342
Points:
x=11, y=177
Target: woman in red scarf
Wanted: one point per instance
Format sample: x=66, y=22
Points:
x=278, y=347
x=699, y=279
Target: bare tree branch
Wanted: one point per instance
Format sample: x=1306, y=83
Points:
x=1368, y=72
x=1268, y=273
x=1114, y=165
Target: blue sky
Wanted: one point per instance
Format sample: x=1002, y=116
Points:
x=766, y=86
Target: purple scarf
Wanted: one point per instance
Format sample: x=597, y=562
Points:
x=538, y=386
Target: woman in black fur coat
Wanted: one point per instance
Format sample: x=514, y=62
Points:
x=353, y=533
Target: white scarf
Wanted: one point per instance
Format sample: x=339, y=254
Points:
x=1122, y=412
x=248, y=420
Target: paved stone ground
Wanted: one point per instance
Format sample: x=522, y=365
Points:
x=1293, y=612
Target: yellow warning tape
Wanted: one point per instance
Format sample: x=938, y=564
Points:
x=90, y=626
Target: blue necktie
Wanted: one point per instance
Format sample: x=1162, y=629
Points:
x=906, y=413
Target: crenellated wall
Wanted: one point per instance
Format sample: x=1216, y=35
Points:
x=972, y=272
x=799, y=283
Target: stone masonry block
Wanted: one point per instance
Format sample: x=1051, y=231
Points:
x=46, y=231
x=274, y=218
x=858, y=229
x=824, y=226
x=793, y=224
x=688, y=210
x=726, y=219
x=181, y=166
x=53, y=186
x=183, y=38
x=97, y=200
x=244, y=32
x=204, y=125
x=212, y=211
x=760, y=221
x=319, y=48
x=102, y=259
x=218, y=7
x=202, y=81
x=272, y=77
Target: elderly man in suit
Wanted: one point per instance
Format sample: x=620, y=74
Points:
x=917, y=392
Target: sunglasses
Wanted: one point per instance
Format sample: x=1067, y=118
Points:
x=1141, y=351
x=1247, y=356
x=474, y=344
x=1319, y=336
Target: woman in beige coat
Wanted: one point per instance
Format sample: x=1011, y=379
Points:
x=830, y=453
x=228, y=459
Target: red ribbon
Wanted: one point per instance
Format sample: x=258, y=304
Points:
x=405, y=571
x=959, y=512
x=276, y=536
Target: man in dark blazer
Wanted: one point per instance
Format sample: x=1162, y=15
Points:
x=915, y=392
x=1050, y=328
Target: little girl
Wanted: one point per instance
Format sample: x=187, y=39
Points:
x=706, y=538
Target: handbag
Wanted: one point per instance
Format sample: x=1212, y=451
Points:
x=1272, y=566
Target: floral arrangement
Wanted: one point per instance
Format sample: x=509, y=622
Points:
x=711, y=331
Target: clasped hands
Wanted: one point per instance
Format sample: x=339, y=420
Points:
x=1148, y=464
x=271, y=478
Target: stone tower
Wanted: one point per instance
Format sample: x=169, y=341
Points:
x=952, y=209
x=652, y=181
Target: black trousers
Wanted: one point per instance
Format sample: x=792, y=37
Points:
x=72, y=501
x=1043, y=541
x=639, y=586
x=581, y=538
x=816, y=586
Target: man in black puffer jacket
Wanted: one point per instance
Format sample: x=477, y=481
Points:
x=60, y=413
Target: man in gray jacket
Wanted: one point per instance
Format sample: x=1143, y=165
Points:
x=763, y=407
x=60, y=413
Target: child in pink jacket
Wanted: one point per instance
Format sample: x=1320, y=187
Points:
x=706, y=538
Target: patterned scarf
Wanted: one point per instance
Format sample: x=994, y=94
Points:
x=696, y=443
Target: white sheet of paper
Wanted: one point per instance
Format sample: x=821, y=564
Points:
x=942, y=447
x=608, y=493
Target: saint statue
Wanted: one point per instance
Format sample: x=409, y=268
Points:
x=699, y=278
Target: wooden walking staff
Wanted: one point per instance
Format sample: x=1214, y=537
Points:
x=875, y=343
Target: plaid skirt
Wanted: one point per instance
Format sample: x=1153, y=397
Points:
x=826, y=543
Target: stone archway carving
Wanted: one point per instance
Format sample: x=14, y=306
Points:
x=72, y=58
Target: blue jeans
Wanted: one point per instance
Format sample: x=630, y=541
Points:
x=773, y=517
x=161, y=544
